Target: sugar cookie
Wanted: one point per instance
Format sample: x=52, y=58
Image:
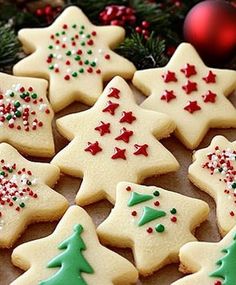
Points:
x=214, y=171
x=26, y=115
x=72, y=255
x=25, y=194
x=192, y=94
x=154, y=222
x=211, y=263
x=75, y=56
x=113, y=141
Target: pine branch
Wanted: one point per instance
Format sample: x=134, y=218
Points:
x=10, y=46
x=143, y=53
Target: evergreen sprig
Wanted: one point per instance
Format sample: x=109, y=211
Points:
x=143, y=53
x=10, y=46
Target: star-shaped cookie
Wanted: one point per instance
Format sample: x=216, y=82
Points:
x=72, y=255
x=214, y=171
x=191, y=93
x=75, y=56
x=25, y=194
x=26, y=115
x=211, y=263
x=154, y=222
x=113, y=141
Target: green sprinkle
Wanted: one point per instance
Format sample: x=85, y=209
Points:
x=156, y=193
x=77, y=57
x=50, y=55
x=160, y=228
x=8, y=117
x=12, y=94
x=63, y=32
x=74, y=26
x=57, y=34
x=34, y=96
x=234, y=185
x=173, y=211
x=81, y=70
x=51, y=67
x=93, y=64
x=68, y=52
x=18, y=114
x=89, y=51
x=220, y=169
x=50, y=47
x=14, y=198
x=81, y=32
x=86, y=62
x=2, y=173
x=17, y=104
x=74, y=74
x=22, y=205
x=10, y=170
x=88, y=36
x=82, y=27
x=83, y=43
x=72, y=38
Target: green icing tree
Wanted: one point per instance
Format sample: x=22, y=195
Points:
x=227, y=265
x=71, y=262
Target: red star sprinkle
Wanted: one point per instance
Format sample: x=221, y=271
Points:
x=111, y=107
x=94, y=148
x=119, y=153
x=103, y=128
x=210, y=78
x=189, y=70
x=141, y=149
x=192, y=107
x=124, y=135
x=169, y=77
x=209, y=97
x=114, y=92
x=168, y=96
x=190, y=87
x=127, y=117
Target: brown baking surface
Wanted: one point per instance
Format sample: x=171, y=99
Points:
x=177, y=182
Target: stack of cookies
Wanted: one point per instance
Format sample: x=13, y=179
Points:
x=114, y=145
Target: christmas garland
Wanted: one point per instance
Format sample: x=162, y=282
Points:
x=153, y=29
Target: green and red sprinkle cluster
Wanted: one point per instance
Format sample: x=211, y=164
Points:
x=19, y=107
x=72, y=52
x=15, y=187
x=223, y=162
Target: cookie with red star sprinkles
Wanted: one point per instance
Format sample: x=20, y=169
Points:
x=191, y=93
x=25, y=194
x=154, y=222
x=72, y=255
x=113, y=141
x=214, y=171
x=75, y=56
x=26, y=115
x=210, y=263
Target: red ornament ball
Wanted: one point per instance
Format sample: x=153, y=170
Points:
x=210, y=27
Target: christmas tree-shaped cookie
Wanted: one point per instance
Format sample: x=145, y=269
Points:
x=75, y=56
x=25, y=194
x=215, y=265
x=154, y=222
x=191, y=93
x=70, y=272
x=214, y=171
x=72, y=255
x=113, y=141
x=26, y=115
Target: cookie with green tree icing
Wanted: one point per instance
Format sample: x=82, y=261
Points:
x=214, y=171
x=75, y=56
x=215, y=265
x=154, y=222
x=72, y=255
x=26, y=115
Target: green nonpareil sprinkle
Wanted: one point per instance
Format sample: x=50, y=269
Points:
x=86, y=62
x=93, y=64
x=88, y=36
x=34, y=96
x=8, y=117
x=77, y=57
x=22, y=205
x=12, y=94
x=18, y=113
x=68, y=52
x=74, y=74
x=82, y=27
x=17, y=104
x=81, y=70
x=51, y=67
x=74, y=26
x=89, y=51
x=83, y=43
x=50, y=47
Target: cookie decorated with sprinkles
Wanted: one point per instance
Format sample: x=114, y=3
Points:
x=152, y=221
x=214, y=171
x=192, y=94
x=75, y=56
x=25, y=194
x=26, y=115
x=210, y=263
x=72, y=255
x=113, y=141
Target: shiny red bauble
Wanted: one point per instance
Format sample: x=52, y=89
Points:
x=210, y=27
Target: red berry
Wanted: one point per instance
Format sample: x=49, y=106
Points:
x=145, y=24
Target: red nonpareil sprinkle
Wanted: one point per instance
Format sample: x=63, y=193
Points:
x=98, y=71
x=107, y=56
x=232, y=214
x=174, y=219
x=65, y=26
x=90, y=70
x=149, y=230
x=67, y=77
x=128, y=188
x=94, y=33
x=134, y=213
x=157, y=203
x=90, y=42
x=218, y=283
